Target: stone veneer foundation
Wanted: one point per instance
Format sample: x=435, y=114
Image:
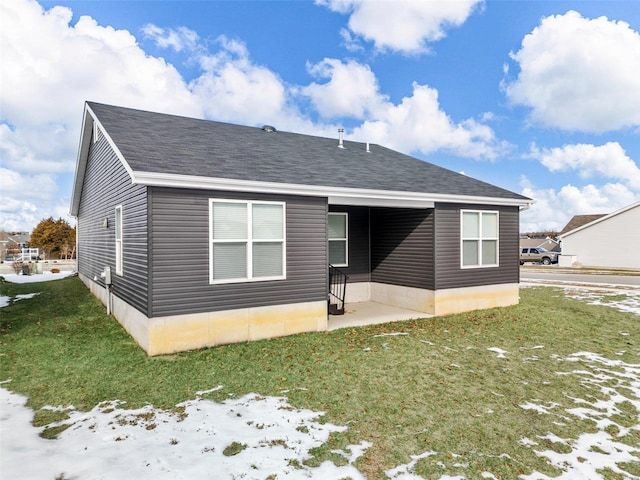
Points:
x=176, y=333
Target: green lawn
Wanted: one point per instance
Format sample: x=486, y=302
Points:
x=437, y=388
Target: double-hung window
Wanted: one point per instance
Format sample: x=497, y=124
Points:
x=479, y=239
x=338, y=239
x=118, y=222
x=247, y=241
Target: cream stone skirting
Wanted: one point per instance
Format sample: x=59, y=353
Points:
x=458, y=300
x=178, y=333
x=435, y=302
x=418, y=299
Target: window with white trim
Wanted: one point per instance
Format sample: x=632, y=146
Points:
x=118, y=222
x=479, y=238
x=339, y=239
x=247, y=241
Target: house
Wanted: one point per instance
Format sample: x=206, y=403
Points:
x=547, y=243
x=609, y=241
x=579, y=220
x=12, y=244
x=217, y=233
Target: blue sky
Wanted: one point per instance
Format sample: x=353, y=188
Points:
x=541, y=98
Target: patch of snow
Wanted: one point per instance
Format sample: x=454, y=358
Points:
x=406, y=471
x=200, y=393
x=489, y=475
x=538, y=408
x=427, y=342
x=36, y=277
x=499, y=351
x=5, y=301
x=625, y=298
x=618, y=383
x=527, y=442
x=356, y=451
x=186, y=442
x=393, y=334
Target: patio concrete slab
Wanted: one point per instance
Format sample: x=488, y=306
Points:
x=371, y=313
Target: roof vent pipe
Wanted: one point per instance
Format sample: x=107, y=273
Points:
x=340, y=135
x=368, y=150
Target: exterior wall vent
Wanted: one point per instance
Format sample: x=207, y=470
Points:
x=269, y=128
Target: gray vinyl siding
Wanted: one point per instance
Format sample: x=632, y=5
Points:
x=107, y=185
x=402, y=247
x=358, y=242
x=449, y=274
x=180, y=249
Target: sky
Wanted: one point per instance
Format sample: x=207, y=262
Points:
x=539, y=97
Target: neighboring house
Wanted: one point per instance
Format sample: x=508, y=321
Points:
x=218, y=233
x=12, y=244
x=579, y=220
x=546, y=243
x=606, y=241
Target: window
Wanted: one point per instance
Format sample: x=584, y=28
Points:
x=338, y=240
x=247, y=241
x=479, y=239
x=119, y=240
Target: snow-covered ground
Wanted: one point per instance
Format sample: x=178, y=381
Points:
x=625, y=298
x=195, y=440
x=44, y=277
x=254, y=437
x=36, y=277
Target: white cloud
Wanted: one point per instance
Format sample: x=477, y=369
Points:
x=181, y=38
x=350, y=41
x=27, y=199
x=553, y=209
x=233, y=88
x=49, y=68
x=579, y=74
x=607, y=161
x=417, y=123
x=352, y=89
x=402, y=25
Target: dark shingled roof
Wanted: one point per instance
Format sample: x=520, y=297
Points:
x=160, y=143
x=579, y=220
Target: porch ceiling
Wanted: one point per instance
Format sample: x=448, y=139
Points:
x=367, y=201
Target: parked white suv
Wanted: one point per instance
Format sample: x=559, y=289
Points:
x=538, y=254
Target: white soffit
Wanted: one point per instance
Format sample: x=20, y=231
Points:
x=335, y=195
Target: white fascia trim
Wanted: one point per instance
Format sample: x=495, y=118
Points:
x=88, y=120
x=335, y=195
x=81, y=162
x=112, y=144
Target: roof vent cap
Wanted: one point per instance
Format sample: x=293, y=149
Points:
x=269, y=128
